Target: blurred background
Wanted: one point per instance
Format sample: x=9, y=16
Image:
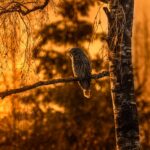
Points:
x=34, y=47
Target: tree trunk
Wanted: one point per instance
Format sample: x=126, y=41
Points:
x=120, y=19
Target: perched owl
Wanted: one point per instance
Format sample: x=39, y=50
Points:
x=81, y=68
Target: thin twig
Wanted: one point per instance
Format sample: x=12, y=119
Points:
x=17, y=8
x=104, y=1
x=107, y=12
x=53, y=81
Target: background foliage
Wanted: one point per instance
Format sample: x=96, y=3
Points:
x=59, y=117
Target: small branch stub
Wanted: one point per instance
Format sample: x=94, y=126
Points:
x=108, y=14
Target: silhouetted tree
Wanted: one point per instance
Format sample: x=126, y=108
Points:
x=120, y=20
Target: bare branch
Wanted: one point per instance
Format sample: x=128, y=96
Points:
x=54, y=81
x=20, y=8
x=107, y=12
x=104, y=1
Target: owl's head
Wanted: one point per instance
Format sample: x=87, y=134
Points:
x=76, y=52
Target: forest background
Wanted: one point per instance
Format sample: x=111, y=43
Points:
x=34, y=48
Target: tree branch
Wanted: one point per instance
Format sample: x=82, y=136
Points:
x=53, y=81
x=20, y=8
x=104, y=1
x=108, y=14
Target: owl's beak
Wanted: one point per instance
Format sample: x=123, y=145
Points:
x=68, y=54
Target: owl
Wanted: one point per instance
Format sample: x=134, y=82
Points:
x=81, y=68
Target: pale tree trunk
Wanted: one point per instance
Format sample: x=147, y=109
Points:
x=120, y=19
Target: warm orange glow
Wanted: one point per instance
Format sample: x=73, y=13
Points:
x=60, y=112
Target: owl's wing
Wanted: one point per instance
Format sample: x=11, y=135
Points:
x=83, y=69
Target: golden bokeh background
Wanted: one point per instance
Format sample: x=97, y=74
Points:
x=34, y=47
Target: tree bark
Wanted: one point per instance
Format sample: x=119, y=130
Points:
x=120, y=20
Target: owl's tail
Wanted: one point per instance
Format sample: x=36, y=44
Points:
x=87, y=93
